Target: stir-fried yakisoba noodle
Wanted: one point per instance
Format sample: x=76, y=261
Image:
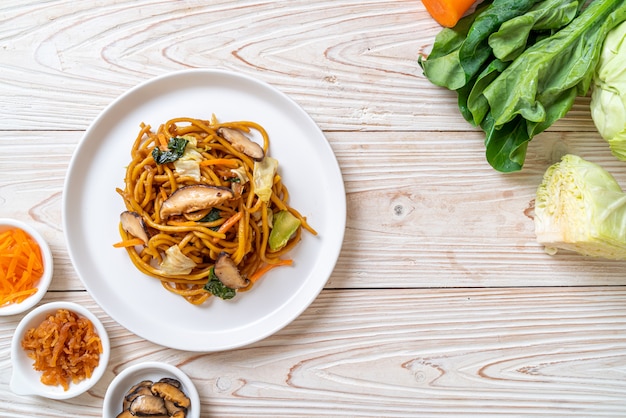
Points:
x=207, y=212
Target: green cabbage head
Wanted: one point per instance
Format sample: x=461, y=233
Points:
x=608, y=95
x=580, y=207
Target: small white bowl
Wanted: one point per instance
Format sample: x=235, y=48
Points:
x=25, y=380
x=44, y=281
x=151, y=370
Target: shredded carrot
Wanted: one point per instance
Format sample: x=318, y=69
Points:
x=267, y=267
x=447, y=12
x=228, y=224
x=21, y=266
x=221, y=161
x=129, y=243
x=65, y=347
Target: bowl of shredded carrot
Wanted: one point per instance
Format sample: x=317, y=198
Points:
x=25, y=267
x=59, y=351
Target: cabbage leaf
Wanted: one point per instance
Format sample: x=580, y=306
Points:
x=175, y=262
x=580, y=207
x=263, y=177
x=608, y=96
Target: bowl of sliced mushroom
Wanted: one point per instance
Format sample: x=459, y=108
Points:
x=151, y=389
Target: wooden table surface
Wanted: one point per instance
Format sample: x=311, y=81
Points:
x=441, y=303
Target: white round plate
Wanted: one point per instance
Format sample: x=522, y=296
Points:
x=91, y=209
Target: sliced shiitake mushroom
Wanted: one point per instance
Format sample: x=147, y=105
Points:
x=163, y=399
x=136, y=392
x=242, y=143
x=227, y=272
x=133, y=223
x=148, y=405
x=193, y=198
x=175, y=410
x=171, y=381
x=171, y=393
x=147, y=383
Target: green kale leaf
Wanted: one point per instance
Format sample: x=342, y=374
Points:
x=213, y=215
x=175, y=150
x=217, y=288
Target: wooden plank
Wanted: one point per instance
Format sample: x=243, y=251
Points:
x=424, y=209
x=352, y=65
x=442, y=304
x=551, y=352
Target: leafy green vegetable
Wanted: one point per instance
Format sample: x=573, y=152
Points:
x=507, y=43
x=512, y=101
x=580, y=207
x=540, y=86
x=514, y=34
x=461, y=52
x=473, y=105
x=546, y=72
x=443, y=66
x=175, y=150
x=217, y=288
x=213, y=215
x=505, y=145
x=608, y=96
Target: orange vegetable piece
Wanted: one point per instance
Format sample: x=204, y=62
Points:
x=229, y=223
x=221, y=161
x=21, y=266
x=131, y=242
x=265, y=268
x=447, y=12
